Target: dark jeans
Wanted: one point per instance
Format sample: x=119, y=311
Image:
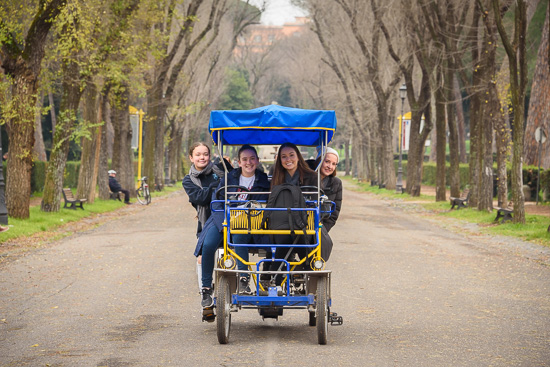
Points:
x=212, y=241
x=126, y=195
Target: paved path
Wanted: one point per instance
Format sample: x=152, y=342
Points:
x=411, y=292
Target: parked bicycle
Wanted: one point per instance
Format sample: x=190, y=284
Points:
x=143, y=194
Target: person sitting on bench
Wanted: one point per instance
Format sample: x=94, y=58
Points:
x=115, y=187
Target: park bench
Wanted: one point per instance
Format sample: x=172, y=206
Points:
x=70, y=199
x=115, y=195
x=462, y=201
x=505, y=213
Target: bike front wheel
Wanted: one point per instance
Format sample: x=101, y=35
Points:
x=141, y=196
x=147, y=195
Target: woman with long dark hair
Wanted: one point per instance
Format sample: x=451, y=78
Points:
x=291, y=168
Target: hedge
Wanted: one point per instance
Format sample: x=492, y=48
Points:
x=38, y=175
x=530, y=174
x=70, y=179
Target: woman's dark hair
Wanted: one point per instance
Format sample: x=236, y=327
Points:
x=246, y=147
x=279, y=171
x=197, y=144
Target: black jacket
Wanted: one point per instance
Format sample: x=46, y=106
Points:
x=261, y=184
x=114, y=186
x=203, y=195
x=332, y=186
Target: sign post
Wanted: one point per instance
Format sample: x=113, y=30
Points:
x=135, y=111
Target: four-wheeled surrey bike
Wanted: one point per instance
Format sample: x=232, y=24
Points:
x=306, y=283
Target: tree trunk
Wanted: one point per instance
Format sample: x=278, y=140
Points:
x=385, y=165
x=347, y=165
x=52, y=111
x=21, y=61
x=459, y=108
x=86, y=182
x=39, y=148
x=454, y=155
x=21, y=138
x=490, y=114
x=102, y=165
x=159, y=147
x=417, y=138
x=123, y=156
x=441, y=143
x=70, y=99
x=174, y=149
x=149, y=144
x=433, y=141
x=516, y=52
x=539, y=104
x=355, y=149
x=475, y=121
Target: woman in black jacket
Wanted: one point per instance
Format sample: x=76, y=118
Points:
x=291, y=168
x=202, y=180
x=332, y=187
x=248, y=175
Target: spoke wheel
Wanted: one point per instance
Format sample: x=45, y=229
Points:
x=141, y=196
x=223, y=314
x=322, y=311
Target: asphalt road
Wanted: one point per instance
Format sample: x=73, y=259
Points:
x=413, y=290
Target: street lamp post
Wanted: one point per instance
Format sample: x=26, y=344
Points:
x=399, y=184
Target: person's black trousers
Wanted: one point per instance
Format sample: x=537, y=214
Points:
x=126, y=195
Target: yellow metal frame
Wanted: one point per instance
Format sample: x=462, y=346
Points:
x=238, y=219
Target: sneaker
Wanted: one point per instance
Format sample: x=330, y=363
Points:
x=243, y=286
x=207, y=300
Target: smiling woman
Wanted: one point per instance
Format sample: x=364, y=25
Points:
x=246, y=177
x=291, y=168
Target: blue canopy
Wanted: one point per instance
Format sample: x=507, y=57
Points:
x=271, y=125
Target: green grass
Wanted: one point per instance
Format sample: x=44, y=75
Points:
x=45, y=222
x=534, y=229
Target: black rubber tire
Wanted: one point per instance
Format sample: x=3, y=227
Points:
x=140, y=196
x=147, y=196
x=322, y=311
x=312, y=319
x=223, y=314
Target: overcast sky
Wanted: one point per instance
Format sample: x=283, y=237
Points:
x=279, y=12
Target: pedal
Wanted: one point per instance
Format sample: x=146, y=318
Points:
x=334, y=319
x=208, y=314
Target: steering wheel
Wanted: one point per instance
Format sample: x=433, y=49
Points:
x=221, y=190
x=311, y=188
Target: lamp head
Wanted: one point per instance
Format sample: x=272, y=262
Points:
x=403, y=91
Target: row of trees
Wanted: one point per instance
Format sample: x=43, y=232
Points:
x=464, y=63
x=168, y=56
x=450, y=55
